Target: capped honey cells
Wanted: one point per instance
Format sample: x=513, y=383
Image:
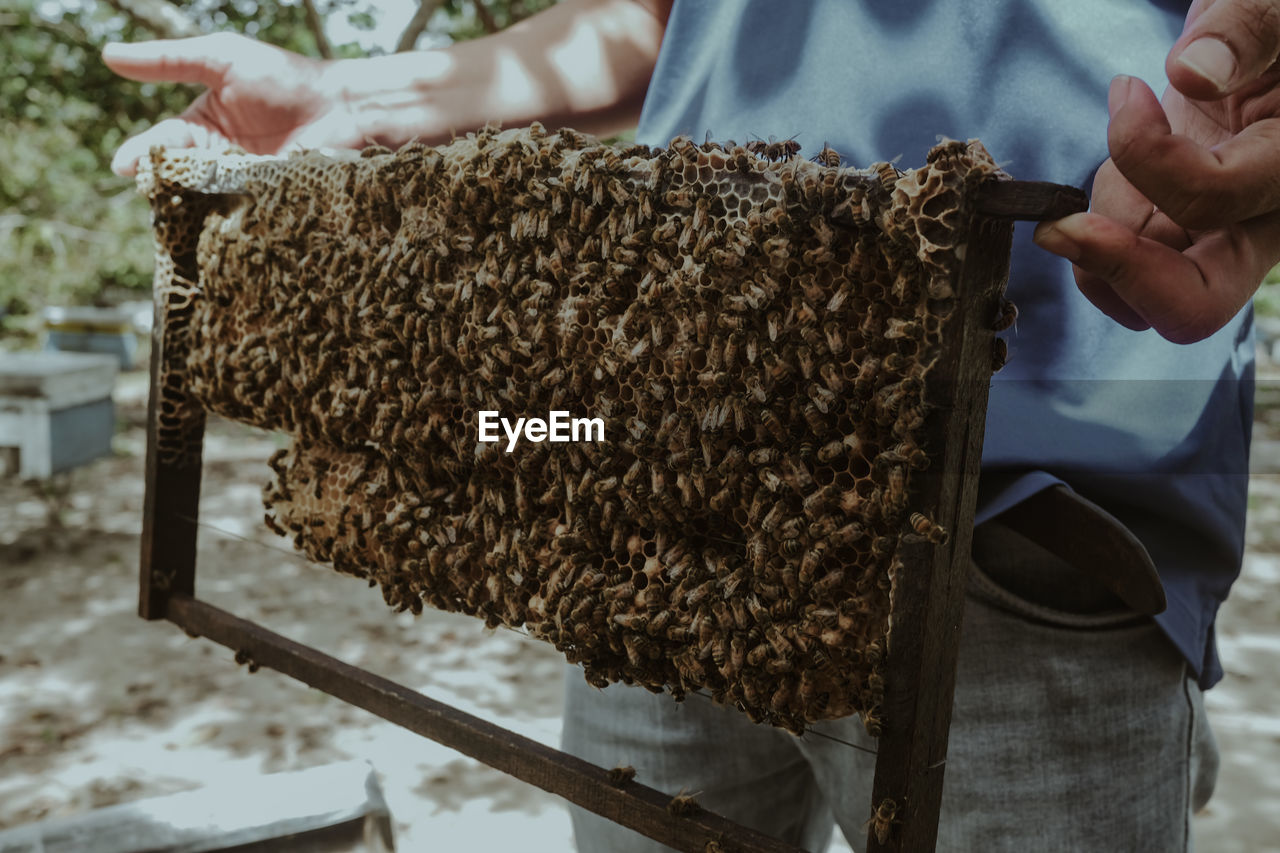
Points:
x=756, y=331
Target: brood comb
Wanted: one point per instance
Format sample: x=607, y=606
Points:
x=756, y=331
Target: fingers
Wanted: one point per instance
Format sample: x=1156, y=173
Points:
x=1197, y=187
x=202, y=60
x=1057, y=238
x=1225, y=45
x=170, y=133
x=1116, y=198
x=1185, y=296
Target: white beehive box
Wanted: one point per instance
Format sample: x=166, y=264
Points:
x=111, y=331
x=55, y=410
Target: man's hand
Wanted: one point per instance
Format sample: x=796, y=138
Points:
x=259, y=97
x=1185, y=219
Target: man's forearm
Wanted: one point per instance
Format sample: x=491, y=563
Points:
x=582, y=63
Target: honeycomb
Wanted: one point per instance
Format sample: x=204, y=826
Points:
x=755, y=330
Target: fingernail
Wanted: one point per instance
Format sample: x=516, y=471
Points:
x=1211, y=59
x=1051, y=239
x=123, y=163
x=1118, y=94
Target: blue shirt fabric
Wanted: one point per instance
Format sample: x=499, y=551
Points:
x=1155, y=433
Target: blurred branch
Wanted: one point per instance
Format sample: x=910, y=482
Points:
x=13, y=221
x=162, y=18
x=316, y=24
x=70, y=35
x=418, y=23
x=485, y=16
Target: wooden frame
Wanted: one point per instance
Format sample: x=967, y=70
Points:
x=907, y=789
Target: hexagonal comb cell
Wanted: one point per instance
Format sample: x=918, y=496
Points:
x=755, y=331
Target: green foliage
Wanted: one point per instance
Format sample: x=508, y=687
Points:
x=69, y=230
x=464, y=24
x=1267, y=300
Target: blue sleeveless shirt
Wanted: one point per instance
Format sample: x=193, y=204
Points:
x=1155, y=433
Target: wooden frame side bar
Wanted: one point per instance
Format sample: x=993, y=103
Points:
x=171, y=502
x=928, y=607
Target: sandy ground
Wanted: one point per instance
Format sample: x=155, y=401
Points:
x=99, y=707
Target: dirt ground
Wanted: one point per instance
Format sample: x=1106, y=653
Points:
x=99, y=707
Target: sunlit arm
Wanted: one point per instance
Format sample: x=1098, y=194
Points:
x=582, y=63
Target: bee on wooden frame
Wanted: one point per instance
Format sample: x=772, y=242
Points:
x=882, y=820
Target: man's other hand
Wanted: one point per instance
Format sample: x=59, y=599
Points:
x=1185, y=219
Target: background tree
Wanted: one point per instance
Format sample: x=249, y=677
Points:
x=70, y=231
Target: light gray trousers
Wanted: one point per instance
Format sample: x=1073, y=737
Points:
x=1076, y=726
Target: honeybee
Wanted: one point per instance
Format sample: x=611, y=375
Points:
x=804, y=356
x=908, y=453
x=811, y=561
x=813, y=416
x=769, y=524
x=832, y=451
x=887, y=173
x=791, y=548
x=895, y=362
x=817, y=501
x=723, y=618
x=896, y=327
x=619, y=776
x=683, y=805
x=883, y=819
x=764, y=456
x=773, y=149
x=895, y=495
x=773, y=425
x=635, y=650
x=999, y=354
x=875, y=683
x=759, y=654
x=631, y=621
x=882, y=546
x=273, y=526
x=828, y=584
x=699, y=594
x=933, y=532
x=827, y=157
x=789, y=529
x=659, y=622
x=807, y=691
x=1007, y=317
x=243, y=657
x=846, y=535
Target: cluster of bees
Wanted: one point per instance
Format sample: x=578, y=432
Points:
x=755, y=329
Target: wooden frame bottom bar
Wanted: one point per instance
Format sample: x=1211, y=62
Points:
x=630, y=804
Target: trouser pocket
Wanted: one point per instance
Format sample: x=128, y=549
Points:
x=1018, y=576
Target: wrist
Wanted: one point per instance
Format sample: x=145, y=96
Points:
x=392, y=99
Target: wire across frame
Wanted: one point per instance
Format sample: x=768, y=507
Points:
x=921, y=662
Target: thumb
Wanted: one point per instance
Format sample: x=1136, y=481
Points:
x=1227, y=45
x=170, y=133
x=202, y=59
